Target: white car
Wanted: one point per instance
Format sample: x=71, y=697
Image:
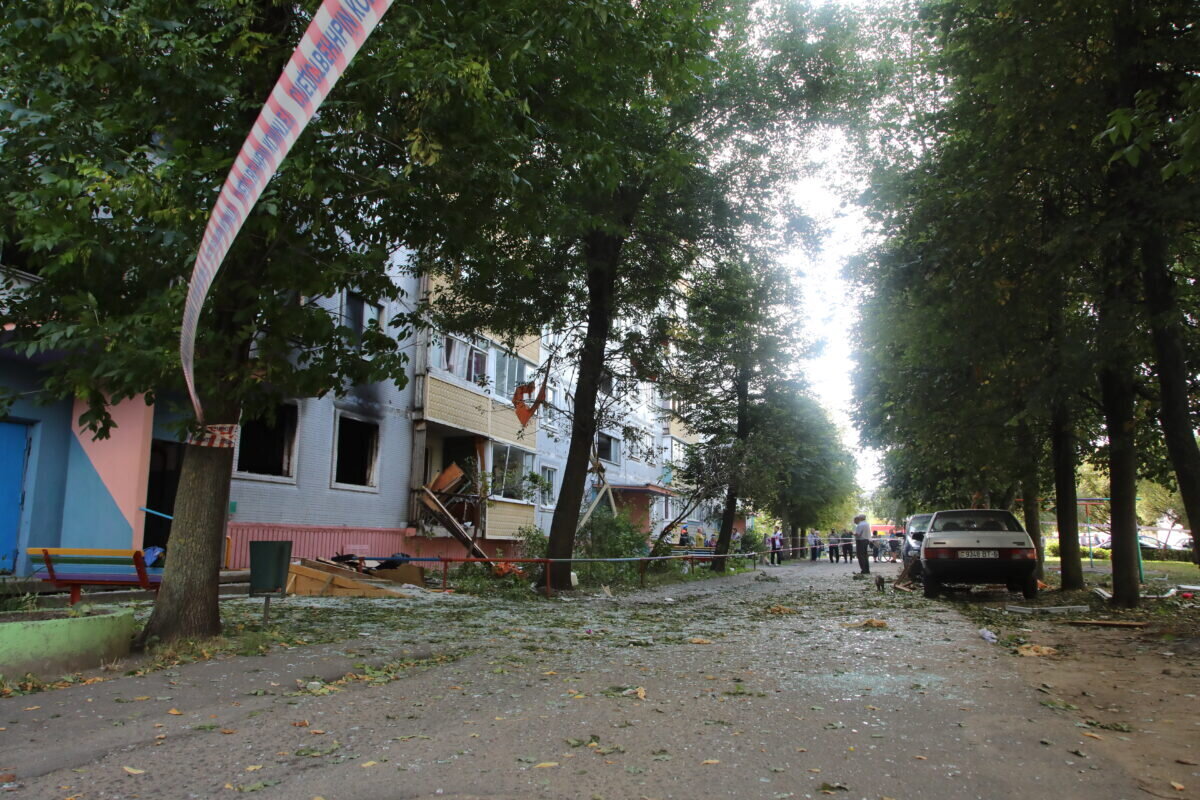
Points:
x=978, y=546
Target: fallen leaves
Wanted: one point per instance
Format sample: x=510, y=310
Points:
x=698, y=640
x=1179, y=787
x=134, y=770
x=778, y=609
x=303, y=723
x=710, y=762
x=175, y=712
x=866, y=623
x=546, y=765
x=254, y=767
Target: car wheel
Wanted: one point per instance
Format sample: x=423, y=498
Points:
x=933, y=587
x=1030, y=588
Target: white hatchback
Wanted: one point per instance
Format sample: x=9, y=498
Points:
x=978, y=546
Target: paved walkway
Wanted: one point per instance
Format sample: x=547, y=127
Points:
x=755, y=686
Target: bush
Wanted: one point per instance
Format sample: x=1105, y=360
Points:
x=752, y=541
x=1052, y=549
x=532, y=542
x=1149, y=554
x=609, y=535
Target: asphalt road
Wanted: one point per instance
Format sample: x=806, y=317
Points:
x=754, y=687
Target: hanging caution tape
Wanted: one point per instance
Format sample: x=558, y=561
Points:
x=331, y=41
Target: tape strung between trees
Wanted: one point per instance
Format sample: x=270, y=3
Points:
x=332, y=39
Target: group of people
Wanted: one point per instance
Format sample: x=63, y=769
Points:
x=845, y=545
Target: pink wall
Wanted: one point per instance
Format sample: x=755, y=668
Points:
x=123, y=459
x=310, y=541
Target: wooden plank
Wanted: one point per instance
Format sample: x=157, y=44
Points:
x=454, y=527
x=324, y=566
x=445, y=480
x=408, y=573
x=307, y=581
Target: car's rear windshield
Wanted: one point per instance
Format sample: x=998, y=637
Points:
x=975, y=521
x=919, y=523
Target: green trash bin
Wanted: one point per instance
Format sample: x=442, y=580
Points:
x=269, y=567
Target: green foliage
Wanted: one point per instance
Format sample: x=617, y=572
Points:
x=531, y=542
x=478, y=579
x=19, y=602
x=609, y=535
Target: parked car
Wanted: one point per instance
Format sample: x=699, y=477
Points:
x=978, y=546
x=911, y=554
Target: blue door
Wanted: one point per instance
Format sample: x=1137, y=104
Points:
x=13, y=443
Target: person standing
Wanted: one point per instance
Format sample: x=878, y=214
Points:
x=862, y=540
x=835, y=547
x=814, y=545
x=776, y=546
x=847, y=546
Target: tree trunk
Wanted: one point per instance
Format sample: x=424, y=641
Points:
x=741, y=434
x=1030, y=487
x=1062, y=443
x=1118, y=396
x=1175, y=414
x=187, y=602
x=1115, y=340
x=603, y=253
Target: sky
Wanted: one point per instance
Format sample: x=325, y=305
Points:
x=829, y=306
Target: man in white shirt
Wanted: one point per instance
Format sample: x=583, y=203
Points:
x=862, y=541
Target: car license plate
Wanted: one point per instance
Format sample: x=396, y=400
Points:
x=978, y=553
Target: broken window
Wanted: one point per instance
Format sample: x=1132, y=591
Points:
x=548, y=495
x=464, y=360
x=357, y=452
x=359, y=314
x=511, y=371
x=510, y=465
x=608, y=448
x=605, y=384
x=266, y=445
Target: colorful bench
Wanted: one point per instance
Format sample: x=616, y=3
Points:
x=74, y=568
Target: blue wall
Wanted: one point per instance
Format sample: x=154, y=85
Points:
x=46, y=472
x=66, y=502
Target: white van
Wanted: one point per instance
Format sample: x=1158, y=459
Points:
x=978, y=546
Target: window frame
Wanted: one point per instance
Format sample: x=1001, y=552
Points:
x=472, y=361
x=363, y=322
x=375, y=469
x=553, y=481
x=293, y=455
x=509, y=448
x=614, y=450
x=524, y=368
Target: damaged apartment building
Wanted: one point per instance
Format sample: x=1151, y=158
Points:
x=337, y=474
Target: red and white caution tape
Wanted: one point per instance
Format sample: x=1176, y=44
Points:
x=334, y=36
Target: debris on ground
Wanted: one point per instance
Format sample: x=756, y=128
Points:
x=318, y=579
x=866, y=623
x=1047, y=609
x=988, y=636
x=1035, y=650
x=778, y=609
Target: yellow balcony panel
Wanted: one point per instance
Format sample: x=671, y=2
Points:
x=504, y=517
x=457, y=406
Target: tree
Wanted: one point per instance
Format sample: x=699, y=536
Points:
x=117, y=131
x=613, y=176
x=735, y=342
